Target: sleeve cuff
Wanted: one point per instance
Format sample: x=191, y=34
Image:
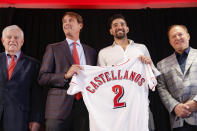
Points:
x=173, y=106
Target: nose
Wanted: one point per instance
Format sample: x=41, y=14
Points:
x=178, y=37
x=12, y=39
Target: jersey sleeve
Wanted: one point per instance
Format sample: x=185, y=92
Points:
x=74, y=87
x=150, y=77
x=155, y=71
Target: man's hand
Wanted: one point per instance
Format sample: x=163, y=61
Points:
x=192, y=105
x=145, y=60
x=74, y=69
x=34, y=126
x=182, y=110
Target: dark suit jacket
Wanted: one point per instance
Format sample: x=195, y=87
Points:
x=21, y=91
x=56, y=61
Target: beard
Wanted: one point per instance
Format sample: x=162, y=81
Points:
x=120, y=35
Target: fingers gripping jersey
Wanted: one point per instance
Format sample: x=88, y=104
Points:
x=116, y=97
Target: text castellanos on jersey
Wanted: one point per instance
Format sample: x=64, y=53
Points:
x=111, y=75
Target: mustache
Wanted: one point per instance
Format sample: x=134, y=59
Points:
x=120, y=30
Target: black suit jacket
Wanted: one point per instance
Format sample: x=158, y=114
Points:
x=21, y=91
x=56, y=61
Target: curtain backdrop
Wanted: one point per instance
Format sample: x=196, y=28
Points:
x=149, y=26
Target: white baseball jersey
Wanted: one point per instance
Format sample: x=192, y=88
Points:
x=117, y=96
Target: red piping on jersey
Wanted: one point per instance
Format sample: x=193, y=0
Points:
x=73, y=83
x=116, y=65
x=153, y=83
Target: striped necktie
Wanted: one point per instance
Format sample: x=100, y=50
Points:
x=11, y=66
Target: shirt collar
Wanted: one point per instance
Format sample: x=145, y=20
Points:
x=70, y=42
x=185, y=52
x=131, y=42
x=17, y=55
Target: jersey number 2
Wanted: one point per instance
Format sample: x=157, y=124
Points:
x=119, y=91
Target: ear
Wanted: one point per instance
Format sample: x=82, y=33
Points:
x=127, y=29
x=81, y=26
x=2, y=40
x=188, y=36
x=23, y=41
x=110, y=31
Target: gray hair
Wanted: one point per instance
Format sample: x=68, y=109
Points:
x=12, y=27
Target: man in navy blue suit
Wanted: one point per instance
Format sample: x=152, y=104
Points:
x=20, y=95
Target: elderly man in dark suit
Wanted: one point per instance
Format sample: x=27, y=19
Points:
x=177, y=84
x=60, y=62
x=20, y=95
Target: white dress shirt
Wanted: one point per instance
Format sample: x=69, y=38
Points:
x=114, y=54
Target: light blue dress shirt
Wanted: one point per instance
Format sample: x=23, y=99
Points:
x=9, y=58
x=80, y=50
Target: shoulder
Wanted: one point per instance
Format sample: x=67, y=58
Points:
x=88, y=48
x=57, y=44
x=193, y=51
x=56, y=47
x=106, y=50
x=166, y=61
x=31, y=60
x=140, y=46
x=2, y=54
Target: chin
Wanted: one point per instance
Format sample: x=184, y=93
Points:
x=120, y=36
x=13, y=49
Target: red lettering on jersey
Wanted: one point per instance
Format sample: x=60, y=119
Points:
x=101, y=76
x=119, y=77
x=119, y=91
x=99, y=82
x=137, y=78
x=107, y=76
x=94, y=85
x=141, y=82
x=88, y=89
x=132, y=75
x=112, y=73
x=126, y=75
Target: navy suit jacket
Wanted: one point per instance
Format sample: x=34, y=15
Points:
x=56, y=61
x=21, y=91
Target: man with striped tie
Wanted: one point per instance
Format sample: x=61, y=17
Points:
x=20, y=95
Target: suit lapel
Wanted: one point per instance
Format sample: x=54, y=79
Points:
x=67, y=55
x=86, y=54
x=175, y=65
x=3, y=66
x=190, y=58
x=19, y=66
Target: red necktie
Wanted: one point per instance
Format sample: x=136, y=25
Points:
x=11, y=66
x=76, y=61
